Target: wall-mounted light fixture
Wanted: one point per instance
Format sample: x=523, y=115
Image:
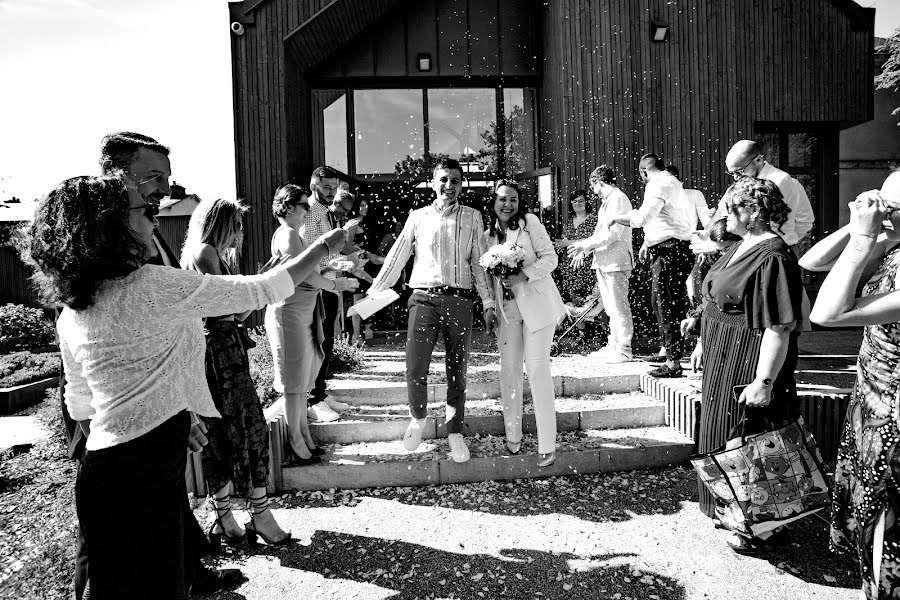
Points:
x=659, y=32
x=423, y=59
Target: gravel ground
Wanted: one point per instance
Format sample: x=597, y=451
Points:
x=620, y=536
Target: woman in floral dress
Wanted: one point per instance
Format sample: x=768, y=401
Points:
x=867, y=475
x=576, y=283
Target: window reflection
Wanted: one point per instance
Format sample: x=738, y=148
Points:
x=462, y=125
x=334, y=118
x=518, y=116
x=389, y=127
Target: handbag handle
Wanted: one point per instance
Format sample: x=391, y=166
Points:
x=742, y=424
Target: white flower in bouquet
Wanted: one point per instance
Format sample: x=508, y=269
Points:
x=502, y=258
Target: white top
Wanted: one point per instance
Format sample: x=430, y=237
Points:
x=611, y=245
x=664, y=212
x=135, y=357
x=801, y=218
x=701, y=208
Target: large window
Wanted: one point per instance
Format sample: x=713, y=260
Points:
x=404, y=131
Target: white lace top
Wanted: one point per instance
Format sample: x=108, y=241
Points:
x=135, y=358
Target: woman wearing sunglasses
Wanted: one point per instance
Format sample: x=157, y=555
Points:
x=294, y=326
x=131, y=339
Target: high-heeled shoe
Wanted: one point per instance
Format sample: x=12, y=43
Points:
x=318, y=451
x=547, y=459
x=513, y=447
x=257, y=507
x=292, y=459
x=223, y=507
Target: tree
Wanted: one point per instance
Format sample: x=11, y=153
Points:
x=423, y=165
x=889, y=78
x=517, y=160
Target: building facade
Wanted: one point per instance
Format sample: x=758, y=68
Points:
x=543, y=90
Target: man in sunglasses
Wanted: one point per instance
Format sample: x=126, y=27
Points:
x=145, y=162
x=746, y=159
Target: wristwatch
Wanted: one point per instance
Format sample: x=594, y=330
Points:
x=767, y=382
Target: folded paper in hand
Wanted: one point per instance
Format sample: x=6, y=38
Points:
x=372, y=303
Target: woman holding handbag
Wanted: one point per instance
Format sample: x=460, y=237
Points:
x=866, y=478
x=530, y=308
x=748, y=344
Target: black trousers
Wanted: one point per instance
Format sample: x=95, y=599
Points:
x=670, y=265
x=135, y=518
x=330, y=301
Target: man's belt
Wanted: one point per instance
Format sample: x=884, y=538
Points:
x=449, y=291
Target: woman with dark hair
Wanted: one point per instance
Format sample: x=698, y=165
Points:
x=131, y=340
x=294, y=326
x=530, y=308
x=748, y=344
x=237, y=457
x=866, y=478
x=576, y=283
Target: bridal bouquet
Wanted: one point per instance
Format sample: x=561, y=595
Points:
x=502, y=261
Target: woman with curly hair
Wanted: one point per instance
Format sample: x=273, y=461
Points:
x=131, y=340
x=576, y=282
x=294, y=326
x=237, y=457
x=748, y=342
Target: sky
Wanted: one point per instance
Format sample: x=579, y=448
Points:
x=74, y=70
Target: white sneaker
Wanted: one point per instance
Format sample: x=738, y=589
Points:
x=337, y=405
x=615, y=358
x=459, y=451
x=413, y=436
x=321, y=413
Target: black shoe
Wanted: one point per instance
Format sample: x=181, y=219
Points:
x=318, y=451
x=291, y=459
x=664, y=370
x=213, y=580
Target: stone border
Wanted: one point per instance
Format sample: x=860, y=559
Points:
x=13, y=399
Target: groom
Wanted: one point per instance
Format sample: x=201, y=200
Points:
x=447, y=241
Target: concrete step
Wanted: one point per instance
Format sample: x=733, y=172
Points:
x=371, y=423
x=364, y=388
x=384, y=464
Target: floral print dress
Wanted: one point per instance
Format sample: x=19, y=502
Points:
x=867, y=475
x=576, y=283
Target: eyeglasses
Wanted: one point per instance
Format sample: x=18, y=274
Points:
x=738, y=173
x=150, y=209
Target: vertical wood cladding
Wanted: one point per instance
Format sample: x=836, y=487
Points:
x=609, y=94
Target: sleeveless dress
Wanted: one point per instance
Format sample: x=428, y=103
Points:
x=294, y=330
x=867, y=474
x=761, y=288
x=238, y=448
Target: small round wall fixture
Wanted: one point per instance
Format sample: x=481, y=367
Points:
x=237, y=28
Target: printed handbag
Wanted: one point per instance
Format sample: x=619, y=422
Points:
x=769, y=480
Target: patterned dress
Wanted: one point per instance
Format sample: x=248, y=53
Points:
x=867, y=475
x=578, y=282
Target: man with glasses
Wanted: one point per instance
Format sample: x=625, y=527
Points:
x=746, y=159
x=665, y=217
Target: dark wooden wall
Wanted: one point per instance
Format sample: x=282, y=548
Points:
x=609, y=94
x=464, y=38
x=15, y=275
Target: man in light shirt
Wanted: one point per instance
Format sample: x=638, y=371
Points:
x=667, y=230
x=612, y=261
x=746, y=159
x=447, y=241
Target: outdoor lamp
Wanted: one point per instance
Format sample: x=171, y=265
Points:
x=658, y=32
x=424, y=60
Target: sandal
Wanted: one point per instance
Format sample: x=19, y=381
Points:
x=746, y=546
x=664, y=370
x=223, y=507
x=257, y=507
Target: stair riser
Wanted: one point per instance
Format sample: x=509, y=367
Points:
x=389, y=474
x=383, y=431
x=437, y=392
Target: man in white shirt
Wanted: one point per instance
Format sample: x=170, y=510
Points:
x=664, y=216
x=447, y=242
x=612, y=261
x=746, y=159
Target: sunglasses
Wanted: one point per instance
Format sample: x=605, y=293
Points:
x=150, y=209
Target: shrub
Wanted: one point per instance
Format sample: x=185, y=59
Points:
x=23, y=328
x=346, y=357
x=262, y=367
x=19, y=368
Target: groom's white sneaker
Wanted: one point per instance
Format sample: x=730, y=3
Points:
x=413, y=436
x=459, y=451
